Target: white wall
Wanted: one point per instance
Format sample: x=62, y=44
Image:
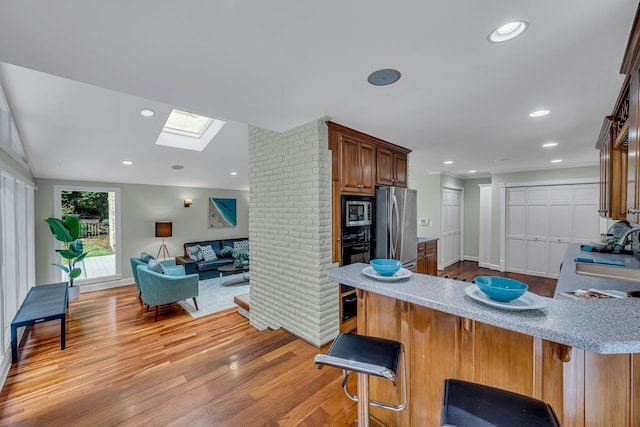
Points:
x=141, y=206
x=290, y=232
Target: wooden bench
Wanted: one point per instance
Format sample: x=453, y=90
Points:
x=42, y=304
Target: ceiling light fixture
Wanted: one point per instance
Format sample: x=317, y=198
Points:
x=384, y=77
x=473, y=171
x=233, y=173
x=549, y=144
x=147, y=112
x=508, y=31
x=556, y=161
x=127, y=162
x=448, y=162
x=177, y=167
x=539, y=113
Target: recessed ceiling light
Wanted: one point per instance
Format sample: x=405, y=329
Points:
x=147, y=112
x=177, y=167
x=473, y=171
x=508, y=31
x=556, y=161
x=539, y=113
x=233, y=173
x=448, y=162
x=127, y=162
x=384, y=77
x=549, y=144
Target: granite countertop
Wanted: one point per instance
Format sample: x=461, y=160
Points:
x=569, y=280
x=610, y=326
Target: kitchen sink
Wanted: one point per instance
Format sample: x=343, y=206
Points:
x=608, y=272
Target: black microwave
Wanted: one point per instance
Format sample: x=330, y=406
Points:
x=357, y=211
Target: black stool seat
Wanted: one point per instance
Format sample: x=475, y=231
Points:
x=476, y=405
x=366, y=356
x=360, y=353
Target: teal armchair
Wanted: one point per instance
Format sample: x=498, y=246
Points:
x=158, y=289
x=135, y=262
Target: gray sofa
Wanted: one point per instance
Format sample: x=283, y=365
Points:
x=207, y=269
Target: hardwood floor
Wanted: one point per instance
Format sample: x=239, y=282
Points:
x=467, y=270
x=122, y=368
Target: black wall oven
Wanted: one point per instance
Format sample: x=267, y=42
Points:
x=357, y=245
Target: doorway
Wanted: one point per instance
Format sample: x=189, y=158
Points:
x=99, y=212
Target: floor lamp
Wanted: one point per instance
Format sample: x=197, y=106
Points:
x=163, y=229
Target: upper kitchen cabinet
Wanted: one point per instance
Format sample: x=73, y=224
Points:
x=613, y=143
x=391, y=167
x=361, y=161
x=627, y=130
x=356, y=165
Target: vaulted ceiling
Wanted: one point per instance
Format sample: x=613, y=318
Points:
x=76, y=75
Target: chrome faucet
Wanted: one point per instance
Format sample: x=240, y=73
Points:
x=625, y=239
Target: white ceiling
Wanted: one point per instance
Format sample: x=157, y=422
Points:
x=77, y=73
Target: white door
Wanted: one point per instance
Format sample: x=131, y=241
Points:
x=515, y=219
x=451, y=226
x=541, y=221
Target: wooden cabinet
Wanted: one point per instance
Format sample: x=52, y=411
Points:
x=428, y=258
x=391, y=167
x=356, y=166
x=585, y=389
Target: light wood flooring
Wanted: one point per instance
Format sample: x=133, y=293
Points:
x=122, y=368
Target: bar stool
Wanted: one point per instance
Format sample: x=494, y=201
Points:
x=366, y=356
x=475, y=405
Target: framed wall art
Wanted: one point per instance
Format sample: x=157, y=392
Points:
x=222, y=212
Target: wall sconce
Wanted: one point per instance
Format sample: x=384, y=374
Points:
x=187, y=202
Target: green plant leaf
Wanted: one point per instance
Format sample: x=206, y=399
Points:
x=75, y=273
x=76, y=247
x=73, y=225
x=59, y=230
x=62, y=267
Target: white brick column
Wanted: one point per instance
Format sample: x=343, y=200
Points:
x=290, y=232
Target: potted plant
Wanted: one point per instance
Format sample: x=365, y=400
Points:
x=67, y=233
x=239, y=255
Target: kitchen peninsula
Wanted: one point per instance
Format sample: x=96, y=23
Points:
x=578, y=355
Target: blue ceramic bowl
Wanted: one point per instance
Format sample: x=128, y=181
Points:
x=386, y=267
x=501, y=288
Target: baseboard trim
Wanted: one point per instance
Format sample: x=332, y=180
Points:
x=106, y=285
x=471, y=258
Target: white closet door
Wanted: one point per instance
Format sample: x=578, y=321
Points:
x=9, y=260
x=516, y=230
x=537, y=215
x=585, y=213
x=553, y=217
x=451, y=226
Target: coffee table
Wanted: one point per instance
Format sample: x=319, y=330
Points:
x=231, y=268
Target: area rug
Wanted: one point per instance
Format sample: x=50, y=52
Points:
x=214, y=297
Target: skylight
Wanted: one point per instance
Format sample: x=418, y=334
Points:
x=189, y=131
x=189, y=123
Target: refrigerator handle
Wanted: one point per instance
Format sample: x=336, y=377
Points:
x=395, y=220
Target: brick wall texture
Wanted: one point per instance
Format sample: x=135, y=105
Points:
x=290, y=232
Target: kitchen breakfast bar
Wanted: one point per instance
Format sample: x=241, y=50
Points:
x=580, y=356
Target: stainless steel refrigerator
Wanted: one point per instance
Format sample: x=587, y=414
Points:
x=397, y=225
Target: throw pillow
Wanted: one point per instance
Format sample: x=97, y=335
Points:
x=241, y=244
x=156, y=266
x=145, y=257
x=195, y=253
x=207, y=253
